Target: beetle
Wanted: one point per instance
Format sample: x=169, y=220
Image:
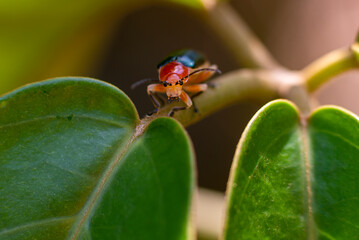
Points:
x=181, y=73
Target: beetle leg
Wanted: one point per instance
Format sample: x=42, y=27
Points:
x=198, y=89
x=152, y=89
x=193, y=102
x=157, y=101
x=202, y=76
x=160, y=98
x=175, y=109
x=157, y=87
x=186, y=99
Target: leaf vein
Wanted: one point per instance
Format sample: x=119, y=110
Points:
x=35, y=224
x=262, y=156
x=69, y=171
x=337, y=136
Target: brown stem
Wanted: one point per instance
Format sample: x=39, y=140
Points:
x=230, y=88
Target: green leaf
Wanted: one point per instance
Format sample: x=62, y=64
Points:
x=293, y=179
x=334, y=148
x=266, y=180
x=76, y=163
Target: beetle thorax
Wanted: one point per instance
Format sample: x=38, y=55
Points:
x=172, y=72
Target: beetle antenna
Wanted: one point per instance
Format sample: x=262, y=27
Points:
x=202, y=69
x=143, y=81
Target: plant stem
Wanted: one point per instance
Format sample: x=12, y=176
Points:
x=328, y=66
x=264, y=85
x=236, y=86
x=244, y=45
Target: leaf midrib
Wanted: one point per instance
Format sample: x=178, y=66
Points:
x=137, y=132
x=307, y=168
x=337, y=136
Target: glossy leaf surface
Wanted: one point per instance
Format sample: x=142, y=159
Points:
x=290, y=181
x=73, y=165
x=334, y=155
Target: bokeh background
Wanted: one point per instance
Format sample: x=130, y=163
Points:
x=121, y=42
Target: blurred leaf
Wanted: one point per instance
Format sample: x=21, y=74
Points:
x=41, y=39
x=73, y=164
x=290, y=181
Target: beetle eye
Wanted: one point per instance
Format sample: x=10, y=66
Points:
x=165, y=84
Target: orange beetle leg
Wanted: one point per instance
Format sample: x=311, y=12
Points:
x=186, y=99
x=152, y=89
x=196, y=88
x=201, y=76
x=156, y=88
